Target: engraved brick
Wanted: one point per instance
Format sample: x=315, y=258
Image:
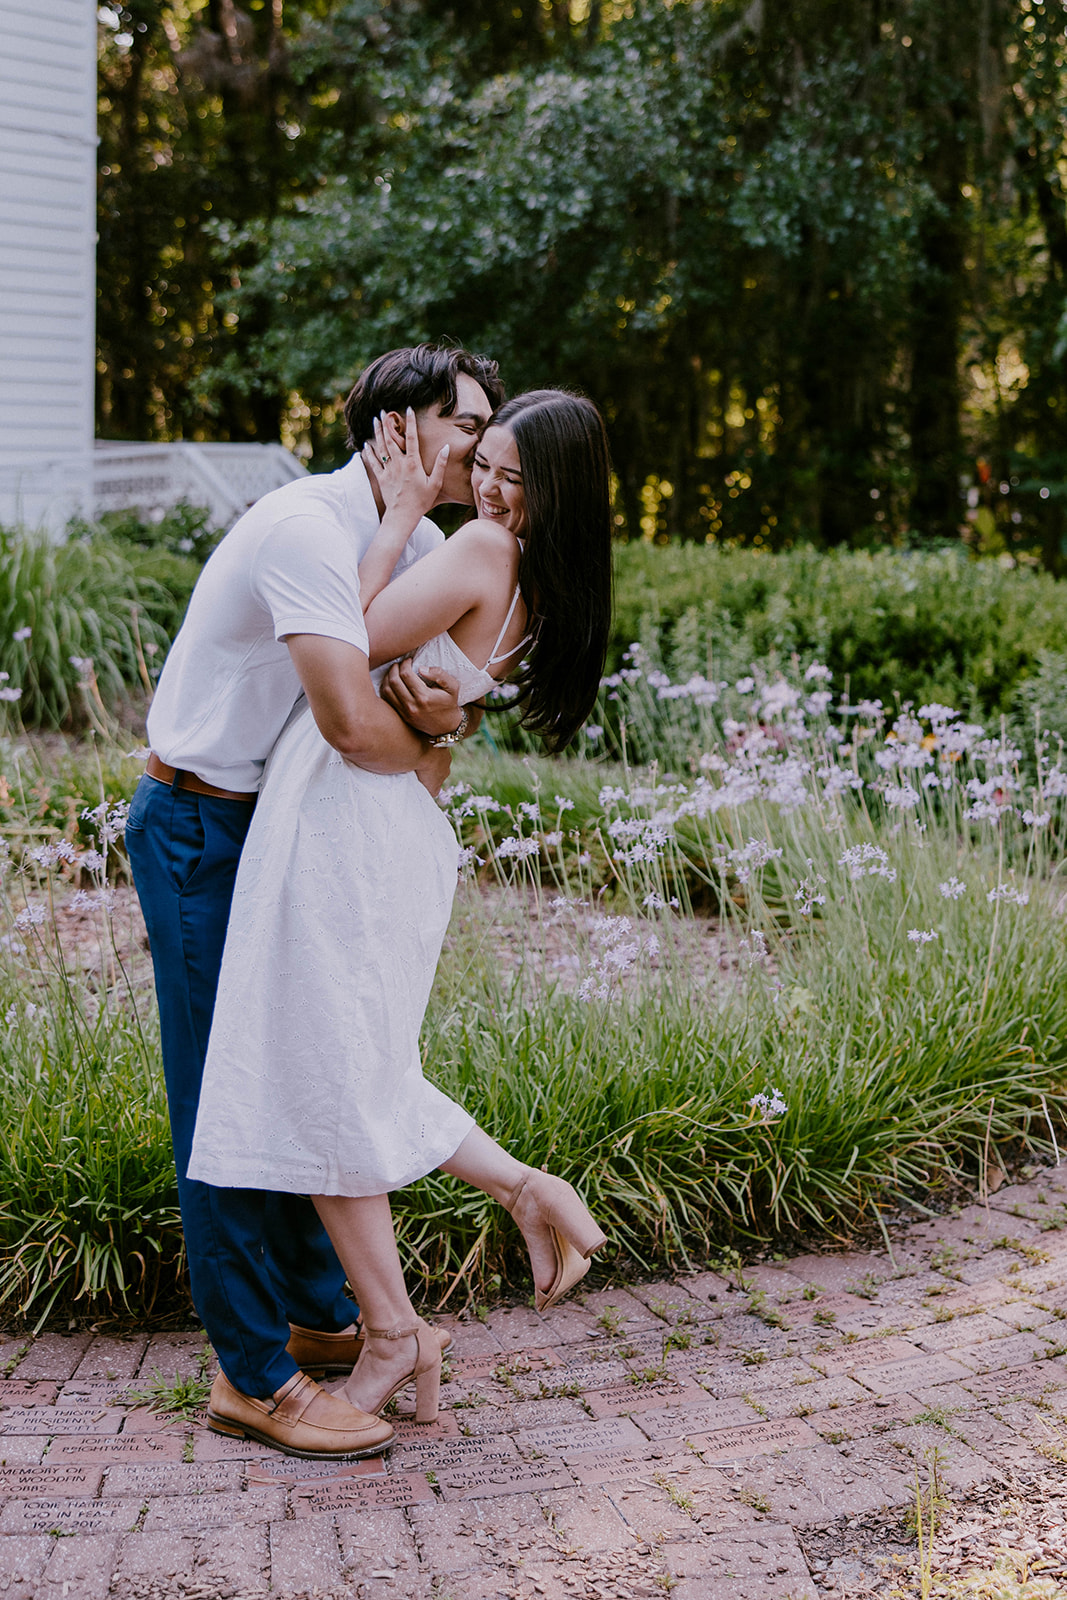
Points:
x=15, y=1393
x=142, y=1419
x=175, y=1478
x=961, y=1330
x=95, y=1392
x=523, y=1414
x=990, y=1264
x=609, y=1433
x=30, y=1482
x=504, y=1478
x=998, y=1354
x=60, y=1419
x=302, y=1474
x=900, y=1377
x=197, y=1511
x=71, y=1516
x=439, y=1455
x=126, y=1447
x=408, y=1431
x=703, y=1417
x=208, y=1446
x=354, y=1494
x=750, y=1380
x=81, y=1567
x=1015, y=1383
x=622, y=1465
x=758, y=1439
x=871, y=1416
x=304, y=1556
x=800, y=1399
x=865, y=1352
x=625, y=1399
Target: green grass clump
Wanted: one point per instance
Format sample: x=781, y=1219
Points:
x=88, y=600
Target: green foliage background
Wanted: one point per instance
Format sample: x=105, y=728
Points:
x=813, y=264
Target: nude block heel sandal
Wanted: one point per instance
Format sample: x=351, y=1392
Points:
x=426, y=1372
x=574, y=1232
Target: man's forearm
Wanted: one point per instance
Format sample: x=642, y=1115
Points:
x=378, y=740
x=349, y=714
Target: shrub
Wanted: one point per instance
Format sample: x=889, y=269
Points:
x=86, y=600
x=891, y=625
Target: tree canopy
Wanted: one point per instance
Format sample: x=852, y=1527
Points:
x=810, y=260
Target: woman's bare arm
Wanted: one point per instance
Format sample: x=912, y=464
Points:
x=476, y=568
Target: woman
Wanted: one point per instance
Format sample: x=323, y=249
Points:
x=313, y=1082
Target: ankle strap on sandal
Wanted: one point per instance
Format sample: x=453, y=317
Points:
x=390, y=1333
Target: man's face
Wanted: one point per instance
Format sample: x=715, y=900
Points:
x=461, y=432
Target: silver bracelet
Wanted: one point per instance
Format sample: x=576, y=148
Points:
x=443, y=740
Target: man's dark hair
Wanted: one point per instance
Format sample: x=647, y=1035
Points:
x=422, y=375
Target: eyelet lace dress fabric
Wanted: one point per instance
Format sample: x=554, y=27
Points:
x=313, y=1082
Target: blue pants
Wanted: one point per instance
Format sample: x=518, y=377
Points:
x=257, y=1260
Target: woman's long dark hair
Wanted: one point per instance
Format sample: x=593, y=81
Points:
x=565, y=566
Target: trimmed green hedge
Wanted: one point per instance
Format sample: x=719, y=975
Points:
x=937, y=626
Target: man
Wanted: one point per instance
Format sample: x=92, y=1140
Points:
x=276, y=612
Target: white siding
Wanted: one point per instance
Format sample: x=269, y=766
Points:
x=47, y=240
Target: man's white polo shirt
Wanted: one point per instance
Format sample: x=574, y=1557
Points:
x=289, y=565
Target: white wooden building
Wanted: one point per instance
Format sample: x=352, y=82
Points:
x=49, y=468
x=47, y=257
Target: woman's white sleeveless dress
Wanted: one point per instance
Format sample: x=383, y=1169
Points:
x=313, y=1081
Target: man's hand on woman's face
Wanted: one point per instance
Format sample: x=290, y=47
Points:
x=429, y=704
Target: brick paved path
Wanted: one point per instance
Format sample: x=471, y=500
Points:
x=675, y=1435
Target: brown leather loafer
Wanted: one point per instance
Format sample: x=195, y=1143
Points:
x=325, y=1355
x=333, y=1355
x=300, y=1420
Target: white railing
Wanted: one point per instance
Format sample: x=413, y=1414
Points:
x=224, y=478
x=149, y=478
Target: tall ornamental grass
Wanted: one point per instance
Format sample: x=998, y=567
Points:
x=809, y=967
x=88, y=607
x=890, y=1022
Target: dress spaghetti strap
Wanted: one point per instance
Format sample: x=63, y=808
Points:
x=494, y=659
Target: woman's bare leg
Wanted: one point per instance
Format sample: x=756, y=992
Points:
x=484, y=1164
x=361, y=1231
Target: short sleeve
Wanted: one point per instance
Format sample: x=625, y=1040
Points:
x=306, y=573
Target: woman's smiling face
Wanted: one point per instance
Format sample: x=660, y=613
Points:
x=497, y=480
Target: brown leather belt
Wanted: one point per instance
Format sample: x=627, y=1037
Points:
x=188, y=780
